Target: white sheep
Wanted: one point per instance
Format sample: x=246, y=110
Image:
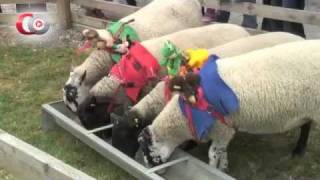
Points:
x=152, y=104
x=199, y=37
x=156, y=19
x=160, y=17
x=142, y=113
x=277, y=90
x=84, y=76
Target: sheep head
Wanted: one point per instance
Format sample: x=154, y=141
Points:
x=126, y=130
x=75, y=90
x=155, y=151
x=92, y=112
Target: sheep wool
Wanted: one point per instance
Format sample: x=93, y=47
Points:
x=154, y=102
x=189, y=38
x=277, y=89
x=147, y=24
x=174, y=17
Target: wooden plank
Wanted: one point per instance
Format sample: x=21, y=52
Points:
x=185, y=169
x=111, y=9
x=11, y=18
x=27, y=162
x=287, y=14
x=64, y=14
x=89, y=21
x=99, y=145
x=24, y=1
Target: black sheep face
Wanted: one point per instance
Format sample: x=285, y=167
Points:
x=75, y=90
x=125, y=132
x=155, y=151
x=145, y=141
x=93, y=112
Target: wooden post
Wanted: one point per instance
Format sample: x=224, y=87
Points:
x=64, y=14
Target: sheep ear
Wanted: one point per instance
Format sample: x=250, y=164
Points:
x=83, y=77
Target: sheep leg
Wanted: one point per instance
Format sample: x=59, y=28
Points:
x=221, y=136
x=218, y=156
x=300, y=148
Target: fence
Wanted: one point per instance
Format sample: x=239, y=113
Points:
x=67, y=18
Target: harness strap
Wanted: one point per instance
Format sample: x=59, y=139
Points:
x=187, y=109
x=217, y=115
x=167, y=92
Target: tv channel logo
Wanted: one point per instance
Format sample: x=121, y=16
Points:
x=29, y=24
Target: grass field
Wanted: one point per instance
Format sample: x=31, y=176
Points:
x=30, y=77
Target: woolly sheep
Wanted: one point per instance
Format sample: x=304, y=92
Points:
x=193, y=37
x=84, y=76
x=277, y=89
x=188, y=38
x=148, y=24
x=174, y=17
x=150, y=106
x=153, y=103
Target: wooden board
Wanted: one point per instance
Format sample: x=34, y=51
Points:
x=64, y=14
x=287, y=14
x=89, y=21
x=111, y=9
x=24, y=1
x=181, y=165
x=29, y=163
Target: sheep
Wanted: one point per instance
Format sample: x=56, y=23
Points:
x=83, y=77
x=276, y=89
x=147, y=20
x=147, y=24
x=193, y=37
x=141, y=114
x=189, y=38
x=198, y=35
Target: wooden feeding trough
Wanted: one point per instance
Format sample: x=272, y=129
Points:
x=24, y=161
x=181, y=166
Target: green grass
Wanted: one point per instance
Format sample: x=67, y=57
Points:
x=5, y=175
x=30, y=77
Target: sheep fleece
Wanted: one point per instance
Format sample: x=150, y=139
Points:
x=154, y=102
x=277, y=88
x=200, y=37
